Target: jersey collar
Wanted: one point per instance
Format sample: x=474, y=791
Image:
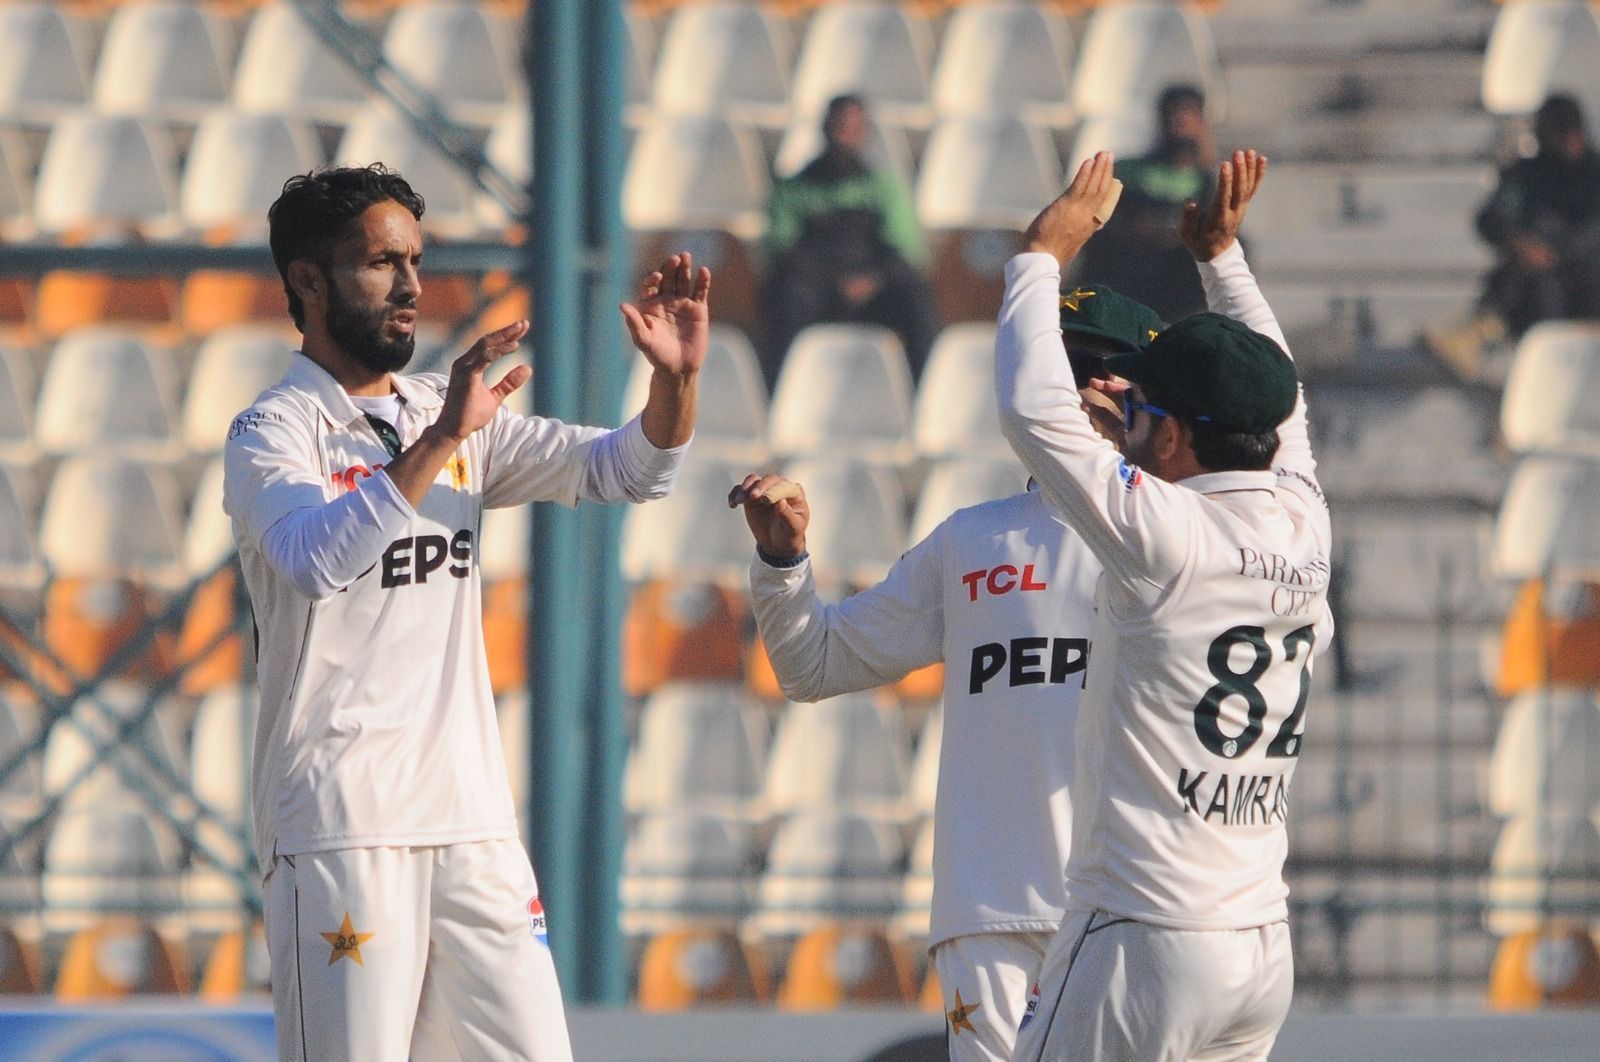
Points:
x=1224, y=482
x=334, y=402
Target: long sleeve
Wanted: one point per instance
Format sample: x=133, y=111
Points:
x=870, y=639
x=540, y=459
x=900, y=227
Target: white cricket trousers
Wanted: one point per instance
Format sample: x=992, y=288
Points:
x=430, y=953
x=986, y=979
x=1116, y=990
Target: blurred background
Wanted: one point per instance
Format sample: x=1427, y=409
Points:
x=773, y=857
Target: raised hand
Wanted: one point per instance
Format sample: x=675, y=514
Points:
x=471, y=402
x=1210, y=231
x=1063, y=227
x=779, y=527
x=670, y=322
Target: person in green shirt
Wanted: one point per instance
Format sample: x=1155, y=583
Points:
x=1138, y=252
x=843, y=245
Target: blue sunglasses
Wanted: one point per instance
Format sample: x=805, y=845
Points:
x=1131, y=405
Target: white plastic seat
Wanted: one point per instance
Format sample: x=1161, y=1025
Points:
x=690, y=534
x=858, y=526
x=380, y=134
x=1546, y=755
x=732, y=419
x=887, y=148
x=16, y=406
x=825, y=864
x=1395, y=566
x=16, y=186
x=681, y=866
x=1544, y=867
x=1006, y=57
x=843, y=390
x=504, y=544
x=151, y=750
x=1554, y=388
x=1550, y=520
x=222, y=743
x=844, y=753
x=1134, y=51
x=285, y=68
x=955, y=412
x=41, y=66
x=109, y=859
x=727, y=58
x=1127, y=135
x=699, y=749
x=19, y=554
x=104, y=391
x=231, y=369
x=960, y=484
x=109, y=518
x=696, y=172
x=161, y=59
x=236, y=167
x=208, y=537
x=1538, y=48
x=1435, y=442
x=509, y=149
x=464, y=54
x=104, y=169
x=986, y=173
x=881, y=51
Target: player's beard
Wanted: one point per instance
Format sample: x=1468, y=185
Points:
x=359, y=334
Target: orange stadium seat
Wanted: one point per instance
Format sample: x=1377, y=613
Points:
x=931, y=1000
x=19, y=965
x=845, y=965
x=681, y=630
x=210, y=647
x=121, y=958
x=69, y=299
x=760, y=679
x=1550, y=638
x=237, y=967
x=684, y=968
x=216, y=298
x=17, y=296
x=87, y=621
x=505, y=633
x=1555, y=965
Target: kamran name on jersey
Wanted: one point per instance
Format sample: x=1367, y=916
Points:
x=1235, y=799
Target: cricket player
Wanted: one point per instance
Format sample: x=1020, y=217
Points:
x=1002, y=593
x=1214, y=541
x=402, y=913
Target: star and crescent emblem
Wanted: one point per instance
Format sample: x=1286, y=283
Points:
x=346, y=942
x=1073, y=298
x=961, y=1016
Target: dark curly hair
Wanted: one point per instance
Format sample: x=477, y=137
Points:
x=315, y=211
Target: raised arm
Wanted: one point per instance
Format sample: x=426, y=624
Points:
x=671, y=325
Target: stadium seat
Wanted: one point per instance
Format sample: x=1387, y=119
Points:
x=1543, y=868
x=1134, y=51
x=236, y=167
x=960, y=484
x=924, y=786
x=1395, y=565
x=88, y=622
x=844, y=753
x=1355, y=325
x=682, y=630
x=887, y=149
x=732, y=411
x=118, y=958
x=231, y=368
x=881, y=51
x=844, y=391
x=108, y=860
x=161, y=59
x=699, y=749
x=845, y=965
x=1411, y=443
x=213, y=299
x=19, y=555
x=464, y=55
x=1551, y=638
x=823, y=866
x=1124, y=135
x=671, y=538
x=1540, y=47
x=211, y=648
x=19, y=965
x=916, y=891
x=71, y=299
x=509, y=149
x=237, y=968
x=858, y=527
x=1544, y=759
x=1553, y=389
x=16, y=406
x=1549, y=522
x=105, y=390
x=106, y=172
x=16, y=205
x=693, y=968
x=1006, y=57
x=151, y=753
x=725, y=58
x=1555, y=965
x=982, y=181
x=379, y=133
x=681, y=867
x=42, y=72
x=955, y=413
x=222, y=743
x=285, y=68
x=19, y=728
x=106, y=517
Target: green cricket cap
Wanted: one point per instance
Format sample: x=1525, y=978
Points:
x=1211, y=366
x=1096, y=310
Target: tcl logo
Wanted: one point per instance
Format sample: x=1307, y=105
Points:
x=412, y=560
x=1001, y=579
x=345, y=480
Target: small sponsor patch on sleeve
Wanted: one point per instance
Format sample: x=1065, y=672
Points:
x=250, y=420
x=1130, y=474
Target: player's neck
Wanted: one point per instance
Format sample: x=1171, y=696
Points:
x=354, y=377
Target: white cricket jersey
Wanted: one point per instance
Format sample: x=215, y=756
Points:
x=1000, y=592
x=377, y=724
x=1212, y=604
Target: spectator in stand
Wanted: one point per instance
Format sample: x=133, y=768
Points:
x=1138, y=252
x=843, y=246
x=1543, y=221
